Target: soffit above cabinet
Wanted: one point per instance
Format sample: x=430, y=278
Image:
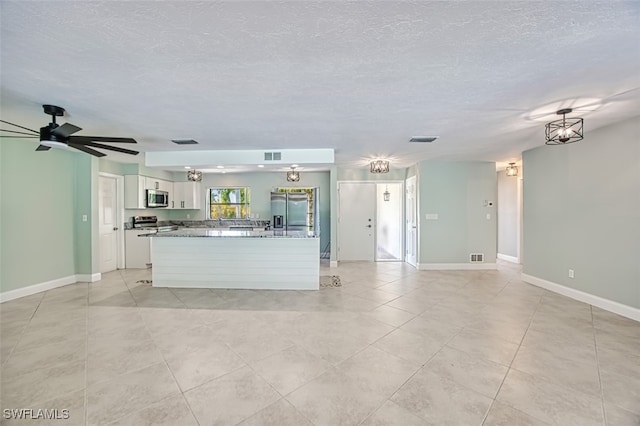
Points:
x=212, y=159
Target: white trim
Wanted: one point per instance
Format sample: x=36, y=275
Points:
x=333, y=264
x=88, y=278
x=581, y=296
x=508, y=258
x=455, y=266
x=48, y=285
x=36, y=288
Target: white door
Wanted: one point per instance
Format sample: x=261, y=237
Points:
x=412, y=225
x=107, y=224
x=356, y=221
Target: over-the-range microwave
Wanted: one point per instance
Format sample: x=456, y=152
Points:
x=157, y=198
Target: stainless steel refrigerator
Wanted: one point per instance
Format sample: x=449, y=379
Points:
x=292, y=211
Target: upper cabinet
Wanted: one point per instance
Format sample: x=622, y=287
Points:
x=186, y=195
x=135, y=194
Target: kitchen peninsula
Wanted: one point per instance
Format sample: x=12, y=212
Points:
x=236, y=259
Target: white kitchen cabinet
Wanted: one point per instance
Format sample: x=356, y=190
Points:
x=137, y=249
x=135, y=196
x=186, y=195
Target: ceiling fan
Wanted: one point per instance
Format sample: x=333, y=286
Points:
x=55, y=135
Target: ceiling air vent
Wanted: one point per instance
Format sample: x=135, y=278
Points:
x=272, y=156
x=423, y=139
x=184, y=141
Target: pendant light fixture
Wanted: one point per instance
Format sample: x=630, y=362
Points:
x=386, y=194
x=564, y=131
x=194, y=176
x=292, y=175
x=379, y=166
x=512, y=169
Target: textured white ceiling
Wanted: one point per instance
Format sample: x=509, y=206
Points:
x=359, y=77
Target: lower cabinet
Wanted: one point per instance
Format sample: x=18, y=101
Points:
x=137, y=249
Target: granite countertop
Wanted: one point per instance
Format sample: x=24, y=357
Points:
x=212, y=232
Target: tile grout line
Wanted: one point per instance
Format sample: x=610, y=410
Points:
x=595, y=345
x=24, y=329
x=494, y=399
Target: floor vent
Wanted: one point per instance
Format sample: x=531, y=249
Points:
x=476, y=257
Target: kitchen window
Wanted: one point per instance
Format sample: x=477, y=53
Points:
x=229, y=203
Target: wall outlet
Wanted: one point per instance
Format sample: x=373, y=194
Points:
x=571, y=274
x=84, y=218
x=488, y=216
x=431, y=216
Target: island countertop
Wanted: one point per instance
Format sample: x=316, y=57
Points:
x=214, y=233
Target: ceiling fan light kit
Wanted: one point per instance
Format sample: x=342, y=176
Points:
x=60, y=136
x=565, y=130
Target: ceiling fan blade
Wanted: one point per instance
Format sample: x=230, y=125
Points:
x=87, y=150
x=66, y=130
x=85, y=139
x=26, y=137
x=22, y=127
x=111, y=148
x=43, y=148
x=17, y=132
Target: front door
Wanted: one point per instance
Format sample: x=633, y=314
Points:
x=356, y=221
x=412, y=228
x=107, y=224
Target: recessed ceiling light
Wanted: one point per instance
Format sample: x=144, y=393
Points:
x=220, y=167
x=187, y=167
x=184, y=141
x=261, y=165
x=294, y=165
x=423, y=139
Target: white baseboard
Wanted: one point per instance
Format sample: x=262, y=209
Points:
x=333, y=264
x=88, y=278
x=48, y=285
x=455, y=266
x=508, y=258
x=602, y=303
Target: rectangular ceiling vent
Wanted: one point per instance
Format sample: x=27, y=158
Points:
x=476, y=257
x=184, y=141
x=272, y=156
x=423, y=139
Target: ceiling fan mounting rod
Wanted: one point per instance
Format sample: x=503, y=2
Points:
x=53, y=111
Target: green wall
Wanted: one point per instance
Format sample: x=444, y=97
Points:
x=582, y=212
x=456, y=192
x=43, y=195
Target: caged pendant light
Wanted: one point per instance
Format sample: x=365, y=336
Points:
x=565, y=130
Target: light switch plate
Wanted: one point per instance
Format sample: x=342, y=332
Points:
x=431, y=216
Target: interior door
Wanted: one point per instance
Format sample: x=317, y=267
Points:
x=107, y=223
x=412, y=223
x=356, y=221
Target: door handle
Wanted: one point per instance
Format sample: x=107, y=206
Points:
x=368, y=226
x=115, y=228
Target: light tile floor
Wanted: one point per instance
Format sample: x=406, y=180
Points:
x=392, y=346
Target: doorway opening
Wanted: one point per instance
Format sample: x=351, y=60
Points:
x=370, y=221
x=389, y=239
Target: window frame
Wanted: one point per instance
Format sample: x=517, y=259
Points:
x=239, y=206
